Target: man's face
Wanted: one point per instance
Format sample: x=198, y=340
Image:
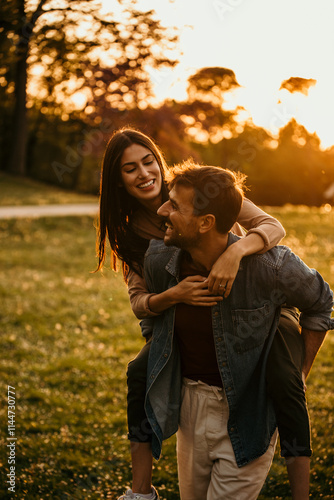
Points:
x=182, y=225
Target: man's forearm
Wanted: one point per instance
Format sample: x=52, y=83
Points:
x=313, y=341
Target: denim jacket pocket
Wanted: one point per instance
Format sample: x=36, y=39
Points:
x=251, y=327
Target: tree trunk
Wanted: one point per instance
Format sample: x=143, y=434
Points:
x=18, y=146
x=17, y=156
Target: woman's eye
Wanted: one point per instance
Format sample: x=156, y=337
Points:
x=129, y=171
x=148, y=162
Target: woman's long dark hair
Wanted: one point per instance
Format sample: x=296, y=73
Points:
x=117, y=207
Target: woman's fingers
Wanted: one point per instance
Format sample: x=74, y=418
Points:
x=205, y=301
x=217, y=286
x=195, y=278
x=206, y=304
x=196, y=292
x=228, y=288
x=223, y=272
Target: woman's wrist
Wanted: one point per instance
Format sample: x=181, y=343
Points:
x=238, y=248
x=248, y=245
x=161, y=301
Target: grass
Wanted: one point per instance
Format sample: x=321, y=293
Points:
x=24, y=191
x=66, y=338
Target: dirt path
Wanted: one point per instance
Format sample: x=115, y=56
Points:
x=35, y=211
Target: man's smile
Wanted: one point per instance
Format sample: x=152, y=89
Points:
x=169, y=227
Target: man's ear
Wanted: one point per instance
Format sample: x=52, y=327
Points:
x=207, y=223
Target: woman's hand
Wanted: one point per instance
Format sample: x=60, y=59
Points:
x=193, y=291
x=226, y=267
x=224, y=271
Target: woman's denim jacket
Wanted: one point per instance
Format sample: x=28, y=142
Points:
x=243, y=327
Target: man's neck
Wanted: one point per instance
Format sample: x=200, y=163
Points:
x=207, y=251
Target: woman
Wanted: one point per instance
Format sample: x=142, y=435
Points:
x=133, y=187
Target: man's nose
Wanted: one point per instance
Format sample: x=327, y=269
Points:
x=164, y=209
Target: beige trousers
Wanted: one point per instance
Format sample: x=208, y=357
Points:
x=206, y=462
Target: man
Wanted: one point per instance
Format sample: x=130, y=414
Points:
x=226, y=435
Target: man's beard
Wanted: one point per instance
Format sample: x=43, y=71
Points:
x=183, y=242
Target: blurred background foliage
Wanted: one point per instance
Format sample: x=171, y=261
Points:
x=70, y=75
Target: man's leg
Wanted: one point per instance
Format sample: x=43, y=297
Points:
x=286, y=388
x=230, y=482
x=206, y=461
x=194, y=463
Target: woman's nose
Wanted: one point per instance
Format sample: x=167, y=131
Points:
x=142, y=171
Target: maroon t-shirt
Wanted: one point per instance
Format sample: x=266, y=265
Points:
x=193, y=330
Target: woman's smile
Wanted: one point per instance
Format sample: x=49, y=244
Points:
x=147, y=185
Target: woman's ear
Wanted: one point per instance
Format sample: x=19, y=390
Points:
x=207, y=222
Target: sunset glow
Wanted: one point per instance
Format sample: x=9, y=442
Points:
x=264, y=43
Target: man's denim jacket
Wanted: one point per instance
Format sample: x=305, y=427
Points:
x=243, y=327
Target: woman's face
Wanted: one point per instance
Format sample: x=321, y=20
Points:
x=141, y=176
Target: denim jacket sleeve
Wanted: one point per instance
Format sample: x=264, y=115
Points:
x=305, y=288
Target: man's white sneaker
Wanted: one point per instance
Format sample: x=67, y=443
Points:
x=129, y=495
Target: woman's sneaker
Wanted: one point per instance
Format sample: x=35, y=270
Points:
x=129, y=495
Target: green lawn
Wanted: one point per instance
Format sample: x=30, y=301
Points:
x=25, y=191
x=66, y=337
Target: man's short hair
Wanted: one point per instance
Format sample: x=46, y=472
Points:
x=217, y=191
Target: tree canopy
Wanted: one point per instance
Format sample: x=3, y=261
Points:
x=70, y=75
x=297, y=84
x=53, y=50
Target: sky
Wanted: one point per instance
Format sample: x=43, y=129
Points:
x=264, y=42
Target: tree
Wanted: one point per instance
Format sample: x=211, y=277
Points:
x=297, y=84
x=203, y=112
x=67, y=41
x=210, y=85
x=168, y=130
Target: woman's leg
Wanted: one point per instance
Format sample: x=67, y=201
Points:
x=286, y=388
x=142, y=463
x=140, y=433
